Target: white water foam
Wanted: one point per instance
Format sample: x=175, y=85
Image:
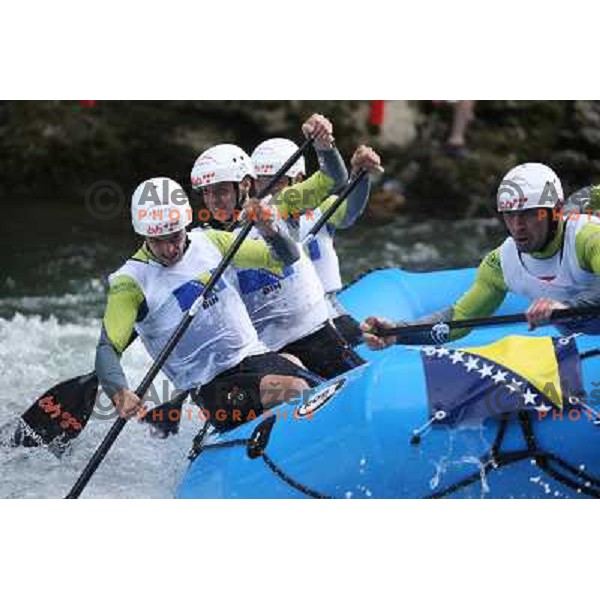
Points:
x=37, y=353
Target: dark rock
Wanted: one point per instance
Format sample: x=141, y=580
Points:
x=58, y=149
x=571, y=161
x=591, y=137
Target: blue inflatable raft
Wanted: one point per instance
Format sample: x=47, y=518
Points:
x=420, y=422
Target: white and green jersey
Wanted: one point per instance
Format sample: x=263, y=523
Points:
x=323, y=256
x=283, y=308
x=568, y=266
x=152, y=299
x=320, y=249
x=289, y=307
x=560, y=276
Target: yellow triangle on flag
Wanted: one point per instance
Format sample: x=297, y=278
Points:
x=532, y=358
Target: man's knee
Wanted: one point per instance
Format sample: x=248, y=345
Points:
x=277, y=389
x=292, y=358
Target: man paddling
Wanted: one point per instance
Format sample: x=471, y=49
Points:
x=289, y=313
x=552, y=261
x=268, y=157
x=220, y=358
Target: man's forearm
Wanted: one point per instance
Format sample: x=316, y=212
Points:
x=108, y=366
x=332, y=164
x=283, y=248
x=587, y=298
x=355, y=203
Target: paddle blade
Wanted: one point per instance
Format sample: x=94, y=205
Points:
x=59, y=415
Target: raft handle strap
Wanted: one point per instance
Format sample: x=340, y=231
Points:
x=589, y=354
x=256, y=445
x=588, y=485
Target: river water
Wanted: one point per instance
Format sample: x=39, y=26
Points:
x=53, y=265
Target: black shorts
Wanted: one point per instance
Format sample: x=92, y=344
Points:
x=325, y=352
x=349, y=328
x=233, y=397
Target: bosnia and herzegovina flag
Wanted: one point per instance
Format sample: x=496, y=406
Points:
x=514, y=373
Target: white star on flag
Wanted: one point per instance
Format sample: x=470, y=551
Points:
x=472, y=364
x=457, y=357
x=499, y=376
x=486, y=371
x=515, y=385
x=529, y=397
x=431, y=351
x=443, y=352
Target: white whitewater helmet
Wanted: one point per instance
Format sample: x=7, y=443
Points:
x=225, y=162
x=269, y=156
x=530, y=185
x=159, y=206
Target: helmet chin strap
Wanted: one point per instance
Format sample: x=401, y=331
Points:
x=238, y=196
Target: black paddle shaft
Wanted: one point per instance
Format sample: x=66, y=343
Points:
x=116, y=429
x=343, y=195
x=557, y=315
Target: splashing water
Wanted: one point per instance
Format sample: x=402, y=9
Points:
x=52, y=295
x=41, y=352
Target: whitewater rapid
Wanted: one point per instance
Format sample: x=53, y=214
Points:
x=35, y=354
x=51, y=299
